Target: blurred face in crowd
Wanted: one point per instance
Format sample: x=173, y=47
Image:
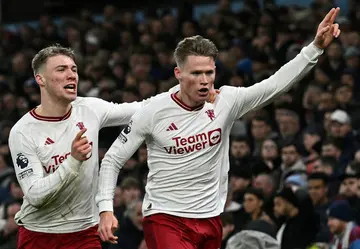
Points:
x=334, y=51
x=130, y=194
x=196, y=77
x=289, y=155
x=239, y=149
x=323, y=168
x=330, y=150
x=357, y=156
x=321, y=77
x=288, y=125
x=260, y=129
x=237, y=81
x=350, y=186
x=16, y=191
x=264, y=183
x=326, y=101
x=269, y=150
x=252, y=203
x=9, y=101
x=137, y=216
x=147, y=89
x=310, y=140
x=238, y=184
x=339, y=130
x=59, y=78
x=336, y=226
x=317, y=191
x=118, y=200
x=353, y=62
x=281, y=207
x=343, y=95
x=347, y=79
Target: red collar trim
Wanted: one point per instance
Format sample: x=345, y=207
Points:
x=50, y=119
x=185, y=106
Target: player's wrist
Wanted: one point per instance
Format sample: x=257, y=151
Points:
x=74, y=163
x=105, y=206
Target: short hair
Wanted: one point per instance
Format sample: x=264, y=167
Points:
x=44, y=54
x=337, y=143
x=261, y=118
x=194, y=45
x=328, y=161
x=319, y=176
x=289, y=144
x=130, y=183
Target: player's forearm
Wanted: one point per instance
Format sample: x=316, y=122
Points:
x=280, y=82
x=109, y=171
x=44, y=190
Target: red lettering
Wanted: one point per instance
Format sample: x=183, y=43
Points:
x=200, y=137
x=176, y=141
x=191, y=139
x=189, y=148
x=183, y=141
x=61, y=159
x=56, y=159
x=67, y=154
x=198, y=146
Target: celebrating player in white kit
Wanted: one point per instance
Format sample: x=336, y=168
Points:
x=188, y=144
x=55, y=153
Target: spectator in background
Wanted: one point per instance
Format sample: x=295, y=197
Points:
x=341, y=225
x=260, y=131
x=291, y=160
x=130, y=232
x=318, y=192
x=128, y=192
x=298, y=228
x=254, y=204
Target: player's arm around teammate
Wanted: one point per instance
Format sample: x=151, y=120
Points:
x=39, y=190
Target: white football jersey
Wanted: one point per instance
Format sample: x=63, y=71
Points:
x=188, y=147
x=59, y=190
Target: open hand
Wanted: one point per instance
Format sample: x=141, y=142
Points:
x=327, y=30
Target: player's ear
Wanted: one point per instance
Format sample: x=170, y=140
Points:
x=39, y=79
x=177, y=73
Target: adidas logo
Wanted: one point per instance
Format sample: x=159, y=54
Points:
x=172, y=127
x=49, y=141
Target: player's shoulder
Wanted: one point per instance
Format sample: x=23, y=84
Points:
x=24, y=124
x=159, y=100
x=84, y=101
x=229, y=91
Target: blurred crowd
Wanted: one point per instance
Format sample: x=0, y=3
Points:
x=294, y=164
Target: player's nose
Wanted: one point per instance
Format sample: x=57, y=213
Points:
x=204, y=79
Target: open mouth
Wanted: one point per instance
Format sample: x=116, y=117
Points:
x=203, y=91
x=70, y=87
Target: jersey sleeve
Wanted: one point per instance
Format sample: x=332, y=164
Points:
x=129, y=140
x=39, y=190
x=112, y=114
x=244, y=99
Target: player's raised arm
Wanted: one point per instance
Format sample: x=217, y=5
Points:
x=262, y=93
x=129, y=140
x=39, y=190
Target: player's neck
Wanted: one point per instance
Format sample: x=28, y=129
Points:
x=187, y=100
x=52, y=109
